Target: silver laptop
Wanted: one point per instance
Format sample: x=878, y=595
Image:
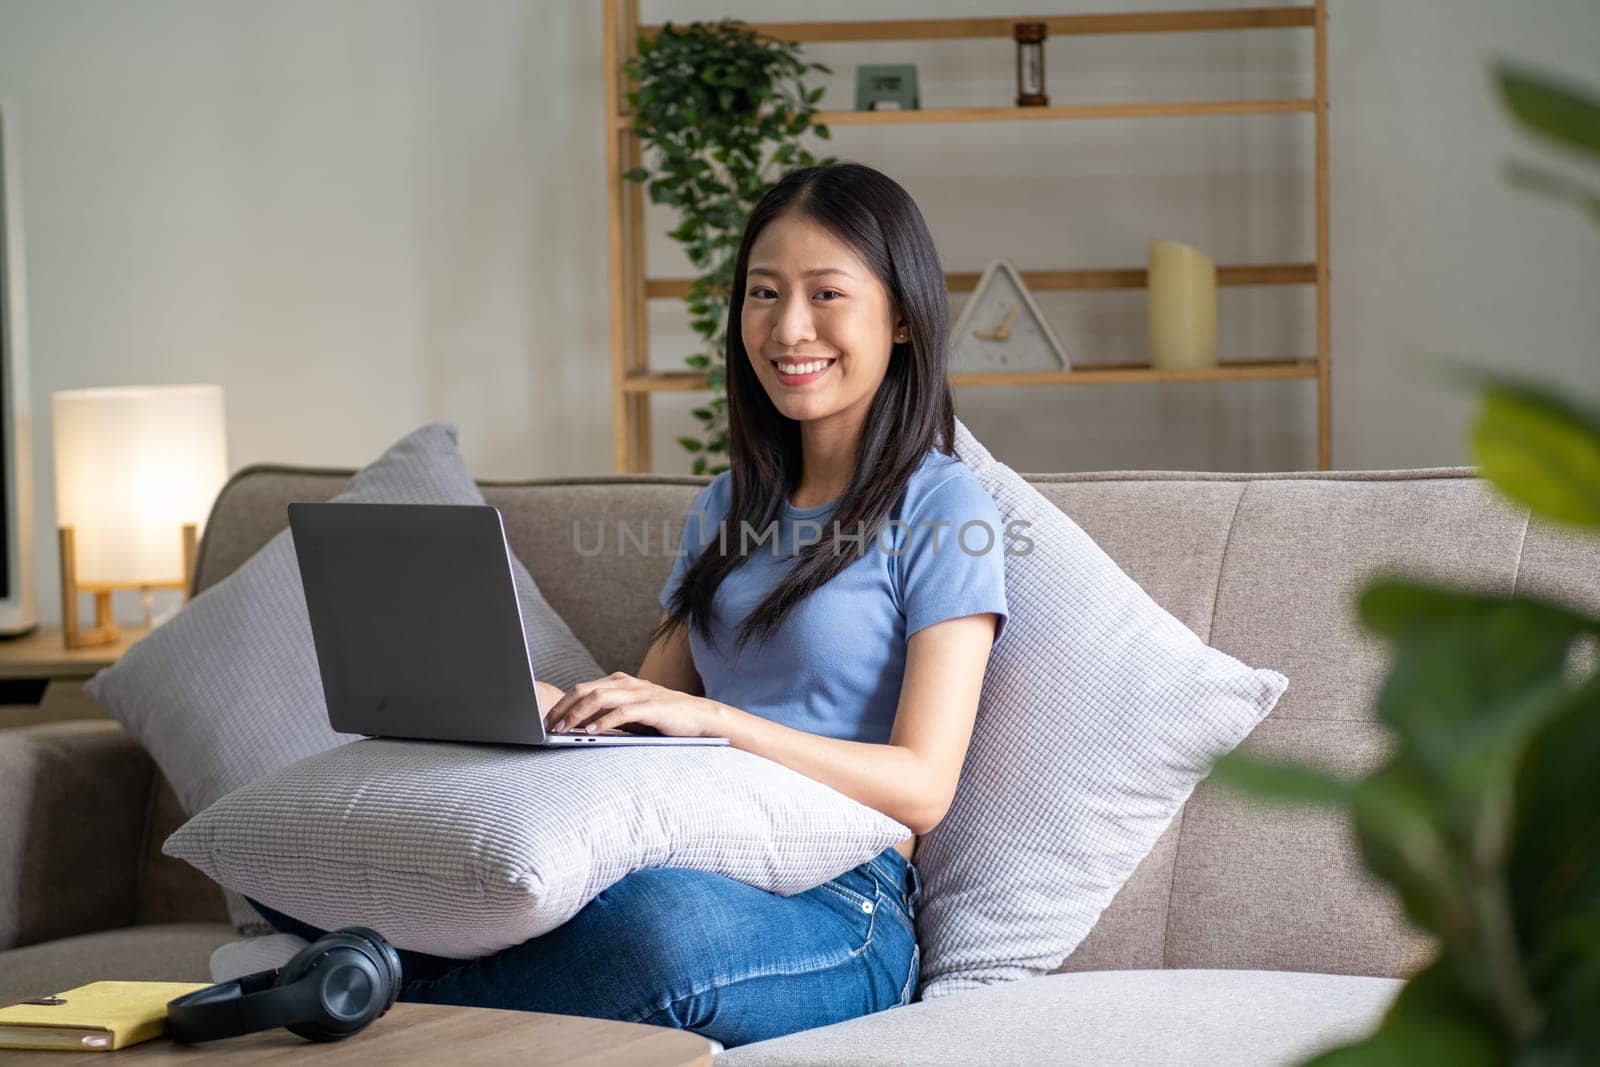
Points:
x=417, y=628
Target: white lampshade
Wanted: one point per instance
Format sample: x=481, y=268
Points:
x=132, y=466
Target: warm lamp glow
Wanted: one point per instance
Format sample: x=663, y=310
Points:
x=137, y=469
x=132, y=466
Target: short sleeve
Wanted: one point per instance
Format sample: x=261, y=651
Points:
x=697, y=527
x=952, y=561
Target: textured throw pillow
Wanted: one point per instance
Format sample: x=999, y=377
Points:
x=463, y=850
x=1100, y=711
x=228, y=689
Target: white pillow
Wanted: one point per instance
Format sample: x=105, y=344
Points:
x=462, y=850
x=1099, y=713
x=228, y=689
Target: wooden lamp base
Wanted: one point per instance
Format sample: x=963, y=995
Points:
x=104, y=631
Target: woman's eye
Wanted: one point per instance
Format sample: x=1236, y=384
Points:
x=760, y=294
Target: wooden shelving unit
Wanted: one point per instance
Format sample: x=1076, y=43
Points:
x=633, y=383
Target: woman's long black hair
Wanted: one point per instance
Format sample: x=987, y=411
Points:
x=912, y=412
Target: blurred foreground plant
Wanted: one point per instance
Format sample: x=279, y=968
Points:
x=1486, y=817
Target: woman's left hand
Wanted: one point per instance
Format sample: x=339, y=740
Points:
x=607, y=703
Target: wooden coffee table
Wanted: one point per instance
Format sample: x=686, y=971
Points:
x=432, y=1033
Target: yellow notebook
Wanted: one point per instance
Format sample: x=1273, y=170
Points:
x=97, y=1017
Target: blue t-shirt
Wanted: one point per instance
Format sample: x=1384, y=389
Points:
x=835, y=666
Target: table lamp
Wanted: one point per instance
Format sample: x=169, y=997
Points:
x=137, y=469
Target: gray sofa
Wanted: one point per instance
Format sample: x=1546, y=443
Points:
x=1249, y=933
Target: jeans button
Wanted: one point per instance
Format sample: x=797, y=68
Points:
x=866, y=906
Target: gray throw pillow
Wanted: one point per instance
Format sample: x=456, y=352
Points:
x=228, y=689
x=463, y=850
x=1099, y=713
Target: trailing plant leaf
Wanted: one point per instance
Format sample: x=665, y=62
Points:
x=711, y=101
x=1550, y=107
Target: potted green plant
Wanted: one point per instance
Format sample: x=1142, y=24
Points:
x=1486, y=817
x=720, y=110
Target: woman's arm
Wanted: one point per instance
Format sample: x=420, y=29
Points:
x=911, y=779
x=669, y=662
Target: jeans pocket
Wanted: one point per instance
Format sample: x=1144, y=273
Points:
x=859, y=906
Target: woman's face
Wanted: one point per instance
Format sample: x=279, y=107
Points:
x=808, y=299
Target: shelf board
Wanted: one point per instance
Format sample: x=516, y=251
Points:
x=1010, y=113
x=1251, y=18
x=1097, y=374
x=1045, y=281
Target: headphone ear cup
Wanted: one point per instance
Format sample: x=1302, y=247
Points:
x=388, y=959
x=348, y=985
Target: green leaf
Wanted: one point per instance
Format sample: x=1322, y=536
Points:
x=1472, y=675
x=635, y=174
x=1557, y=110
x=1398, y=828
x=698, y=362
x=822, y=132
x=703, y=414
x=1555, y=864
x=690, y=444
x=1536, y=179
x=1430, y=1022
x=1541, y=450
x=1285, y=781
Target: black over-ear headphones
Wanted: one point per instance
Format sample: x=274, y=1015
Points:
x=331, y=989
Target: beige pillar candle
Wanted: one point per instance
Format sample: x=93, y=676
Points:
x=1183, y=307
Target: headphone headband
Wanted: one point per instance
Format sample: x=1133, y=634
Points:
x=243, y=1006
x=293, y=995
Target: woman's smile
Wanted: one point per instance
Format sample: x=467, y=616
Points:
x=806, y=370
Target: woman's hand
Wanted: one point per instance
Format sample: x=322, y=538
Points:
x=608, y=703
x=548, y=695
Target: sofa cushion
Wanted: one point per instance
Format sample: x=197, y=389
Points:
x=159, y=952
x=1130, y=1018
x=462, y=850
x=1099, y=713
x=228, y=689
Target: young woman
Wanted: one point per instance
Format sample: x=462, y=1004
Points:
x=843, y=631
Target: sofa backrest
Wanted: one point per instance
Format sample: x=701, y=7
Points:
x=1265, y=567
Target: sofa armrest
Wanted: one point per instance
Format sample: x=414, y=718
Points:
x=74, y=800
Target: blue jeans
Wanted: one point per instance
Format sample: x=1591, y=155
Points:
x=670, y=946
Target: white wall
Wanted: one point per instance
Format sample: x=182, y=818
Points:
x=361, y=216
